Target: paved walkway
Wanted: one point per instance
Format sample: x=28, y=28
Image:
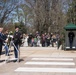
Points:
x=40, y=61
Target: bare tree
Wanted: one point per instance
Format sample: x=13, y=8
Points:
x=6, y=8
x=47, y=15
x=40, y=15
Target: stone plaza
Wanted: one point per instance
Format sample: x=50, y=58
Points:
x=40, y=61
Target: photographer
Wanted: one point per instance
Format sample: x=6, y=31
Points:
x=17, y=41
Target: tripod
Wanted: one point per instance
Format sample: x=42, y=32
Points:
x=17, y=49
x=7, y=50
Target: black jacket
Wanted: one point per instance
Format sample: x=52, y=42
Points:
x=17, y=38
x=1, y=38
x=71, y=36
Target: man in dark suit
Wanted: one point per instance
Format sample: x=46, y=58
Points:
x=17, y=40
x=71, y=38
x=1, y=40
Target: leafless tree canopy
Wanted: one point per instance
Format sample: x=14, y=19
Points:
x=38, y=15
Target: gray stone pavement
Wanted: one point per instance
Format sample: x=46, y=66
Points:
x=40, y=61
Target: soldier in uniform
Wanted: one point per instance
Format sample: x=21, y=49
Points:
x=71, y=38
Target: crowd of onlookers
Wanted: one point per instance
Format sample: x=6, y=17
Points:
x=38, y=40
x=17, y=39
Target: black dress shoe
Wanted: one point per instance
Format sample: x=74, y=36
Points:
x=14, y=60
x=1, y=61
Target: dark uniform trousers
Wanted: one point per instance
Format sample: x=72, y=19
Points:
x=0, y=48
x=1, y=42
x=71, y=38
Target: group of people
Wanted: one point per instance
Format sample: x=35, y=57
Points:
x=32, y=40
x=16, y=40
x=37, y=40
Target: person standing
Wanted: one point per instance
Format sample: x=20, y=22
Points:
x=43, y=40
x=5, y=37
x=30, y=39
x=48, y=39
x=17, y=40
x=26, y=40
x=1, y=40
x=71, y=38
